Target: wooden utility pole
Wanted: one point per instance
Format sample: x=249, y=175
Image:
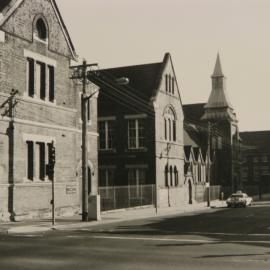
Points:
x=80, y=73
x=208, y=165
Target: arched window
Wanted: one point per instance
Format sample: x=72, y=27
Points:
x=166, y=176
x=170, y=124
x=41, y=29
x=171, y=176
x=176, y=176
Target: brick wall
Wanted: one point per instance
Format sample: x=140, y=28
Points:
x=34, y=117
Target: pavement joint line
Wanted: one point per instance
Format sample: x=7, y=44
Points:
x=180, y=240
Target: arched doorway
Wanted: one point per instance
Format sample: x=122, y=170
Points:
x=189, y=192
x=90, y=172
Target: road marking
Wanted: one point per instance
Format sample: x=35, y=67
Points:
x=179, y=240
x=231, y=234
x=155, y=239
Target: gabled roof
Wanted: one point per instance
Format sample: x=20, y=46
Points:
x=7, y=8
x=188, y=152
x=256, y=140
x=144, y=80
x=189, y=139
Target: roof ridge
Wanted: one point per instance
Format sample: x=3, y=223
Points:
x=130, y=66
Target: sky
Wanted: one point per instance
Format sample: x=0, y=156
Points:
x=128, y=32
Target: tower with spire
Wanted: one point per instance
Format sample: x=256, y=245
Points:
x=218, y=106
x=224, y=135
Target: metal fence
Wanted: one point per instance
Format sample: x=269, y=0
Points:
x=117, y=197
x=201, y=193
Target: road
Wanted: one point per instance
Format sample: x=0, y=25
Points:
x=214, y=239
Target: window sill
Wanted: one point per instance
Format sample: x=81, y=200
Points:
x=141, y=149
x=36, y=181
x=37, y=100
x=107, y=150
x=45, y=42
x=89, y=122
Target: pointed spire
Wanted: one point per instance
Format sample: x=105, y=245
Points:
x=218, y=105
x=217, y=69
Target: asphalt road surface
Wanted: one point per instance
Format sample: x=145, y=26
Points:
x=215, y=239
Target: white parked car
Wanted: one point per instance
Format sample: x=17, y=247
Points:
x=239, y=199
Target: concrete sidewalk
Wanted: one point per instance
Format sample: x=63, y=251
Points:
x=72, y=223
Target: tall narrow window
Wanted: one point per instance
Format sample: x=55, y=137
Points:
x=31, y=76
x=136, y=133
x=171, y=176
x=166, y=176
x=30, y=160
x=166, y=83
x=173, y=81
x=41, y=29
x=51, y=83
x=106, y=134
x=170, y=84
x=42, y=162
x=174, y=130
x=176, y=180
x=170, y=124
x=41, y=79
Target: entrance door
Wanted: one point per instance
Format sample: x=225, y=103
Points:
x=189, y=192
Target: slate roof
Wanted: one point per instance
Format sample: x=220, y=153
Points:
x=257, y=140
x=218, y=70
x=3, y=4
x=218, y=97
x=193, y=112
x=143, y=79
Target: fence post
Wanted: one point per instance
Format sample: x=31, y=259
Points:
x=128, y=196
x=114, y=198
x=152, y=188
x=141, y=195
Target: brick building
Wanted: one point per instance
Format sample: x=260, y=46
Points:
x=35, y=55
x=255, y=156
x=141, y=130
x=217, y=119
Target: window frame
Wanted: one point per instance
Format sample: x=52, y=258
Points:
x=137, y=136
x=107, y=134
